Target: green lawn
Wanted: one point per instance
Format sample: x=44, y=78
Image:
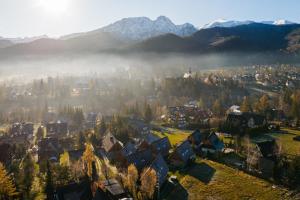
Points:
x=175, y=135
x=211, y=180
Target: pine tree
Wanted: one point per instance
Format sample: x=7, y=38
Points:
x=49, y=188
x=81, y=140
x=148, y=114
x=7, y=187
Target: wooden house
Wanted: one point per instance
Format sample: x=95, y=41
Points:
x=182, y=154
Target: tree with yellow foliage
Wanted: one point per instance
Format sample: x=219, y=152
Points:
x=7, y=187
x=132, y=177
x=148, y=182
x=88, y=159
x=64, y=159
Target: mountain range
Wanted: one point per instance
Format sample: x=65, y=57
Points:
x=162, y=35
x=233, y=23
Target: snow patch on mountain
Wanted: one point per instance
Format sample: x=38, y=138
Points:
x=141, y=28
x=233, y=23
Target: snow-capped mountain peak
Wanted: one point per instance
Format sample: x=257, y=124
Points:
x=226, y=23
x=140, y=28
x=233, y=23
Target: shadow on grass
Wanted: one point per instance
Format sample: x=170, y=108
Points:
x=202, y=171
x=172, y=192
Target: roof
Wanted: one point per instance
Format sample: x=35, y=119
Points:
x=185, y=151
x=75, y=191
x=245, y=116
x=150, y=138
x=161, y=168
x=140, y=158
x=215, y=141
x=114, y=187
x=162, y=146
x=129, y=148
x=267, y=148
x=108, y=141
x=197, y=136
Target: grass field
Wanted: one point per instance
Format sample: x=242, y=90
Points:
x=175, y=135
x=209, y=180
x=289, y=146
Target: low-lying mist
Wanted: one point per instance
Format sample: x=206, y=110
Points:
x=131, y=65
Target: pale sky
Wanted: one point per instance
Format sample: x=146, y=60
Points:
x=20, y=18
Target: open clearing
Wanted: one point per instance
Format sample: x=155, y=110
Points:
x=209, y=180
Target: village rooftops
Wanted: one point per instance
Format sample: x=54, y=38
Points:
x=109, y=142
x=114, y=187
x=185, y=151
x=161, y=146
x=268, y=149
x=161, y=168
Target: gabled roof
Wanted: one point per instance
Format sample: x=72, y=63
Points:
x=140, y=158
x=197, y=136
x=129, y=148
x=150, y=138
x=114, y=187
x=162, y=146
x=215, y=141
x=161, y=168
x=74, y=191
x=245, y=116
x=267, y=148
x=108, y=141
x=184, y=151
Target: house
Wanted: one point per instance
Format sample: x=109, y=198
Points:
x=113, y=190
x=140, y=159
x=57, y=128
x=161, y=146
x=261, y=158
x=22, y=129
x=110, y=143
x=140, y=126
x=91, y=120
x=49, y=149
x=112, y=147
x=161, y=168
x=212, y=144
x=74, y=191
x=129, y=148
x=245, y=120
x=196, y=138
x=182, y=154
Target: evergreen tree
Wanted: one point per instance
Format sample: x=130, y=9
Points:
x=148, y=114
x=217, y=108
x=40, y=133
x=49, y=188
x=81, y=140
x=102, y=128
x=27, y=174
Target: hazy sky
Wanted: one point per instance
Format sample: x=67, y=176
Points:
x=19, y=18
